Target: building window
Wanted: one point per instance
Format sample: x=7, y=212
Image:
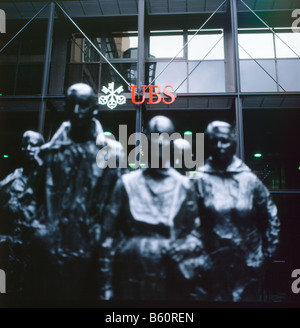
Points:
x=207, y=45
x=267, y=63
x=22, y=65
x=272, y=140
x=121, y=45
x=198, y=68
x=166, y=44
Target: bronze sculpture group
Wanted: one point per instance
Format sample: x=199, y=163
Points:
x=74, y=230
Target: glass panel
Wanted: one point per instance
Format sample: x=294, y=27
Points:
x=206, y=46
x=174, y=75
x=32, y=48
x=208, y=76
x=272, y=141
x=86, y=73
x=122, y=45
x=128, y=71
x=289, y=73
x=255, y=79
x=83, y=52
x=292, y=40
x=22, y=65
x=166, y=46
x=258, y=45
x=29, y=79
x=7, y=84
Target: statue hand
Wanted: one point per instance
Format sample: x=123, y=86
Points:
x=179, y=250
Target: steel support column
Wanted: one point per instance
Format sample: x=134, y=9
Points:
x=46, y=71
x=140, y=75
x=237, y=79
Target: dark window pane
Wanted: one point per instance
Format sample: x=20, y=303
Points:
x=7, y=79
x=29, y=79
x=275, y=135
x=85, y=73
x=286, y=260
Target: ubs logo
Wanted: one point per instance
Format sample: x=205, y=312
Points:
x=2, y=282
x=2, y=21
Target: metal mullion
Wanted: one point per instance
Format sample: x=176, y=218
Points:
x=140, y=77
x=47, y=63
x=276, y=63
x=238, y=100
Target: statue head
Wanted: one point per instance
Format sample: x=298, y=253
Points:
x=221, y=142
x=163, y=127
x=31, y=141
x=81, y=104
x=160, y=124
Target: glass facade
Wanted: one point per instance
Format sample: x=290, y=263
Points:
x=269, y=61
x=22, y=66
x=256, y=88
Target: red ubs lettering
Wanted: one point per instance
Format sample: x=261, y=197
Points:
x=154, y=96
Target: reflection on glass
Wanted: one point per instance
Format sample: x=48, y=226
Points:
x=208, y=76
x=127, y=70
x=121, y=45
x=174, y=75
x=258, y=45
x=201, y=46
x=166, y=46
x=86, y=73
x=289, y=73
x=255, y=79
x=83, y=52
x=292, y=40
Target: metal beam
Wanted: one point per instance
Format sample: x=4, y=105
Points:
x=237, y=80
x=46, y=71
x=140, y=75
x=230, y=83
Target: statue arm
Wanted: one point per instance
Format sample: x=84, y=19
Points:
x=109, y=240
x=270, y=224
x=188, y=245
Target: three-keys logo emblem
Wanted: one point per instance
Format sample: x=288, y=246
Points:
x=112, y=97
